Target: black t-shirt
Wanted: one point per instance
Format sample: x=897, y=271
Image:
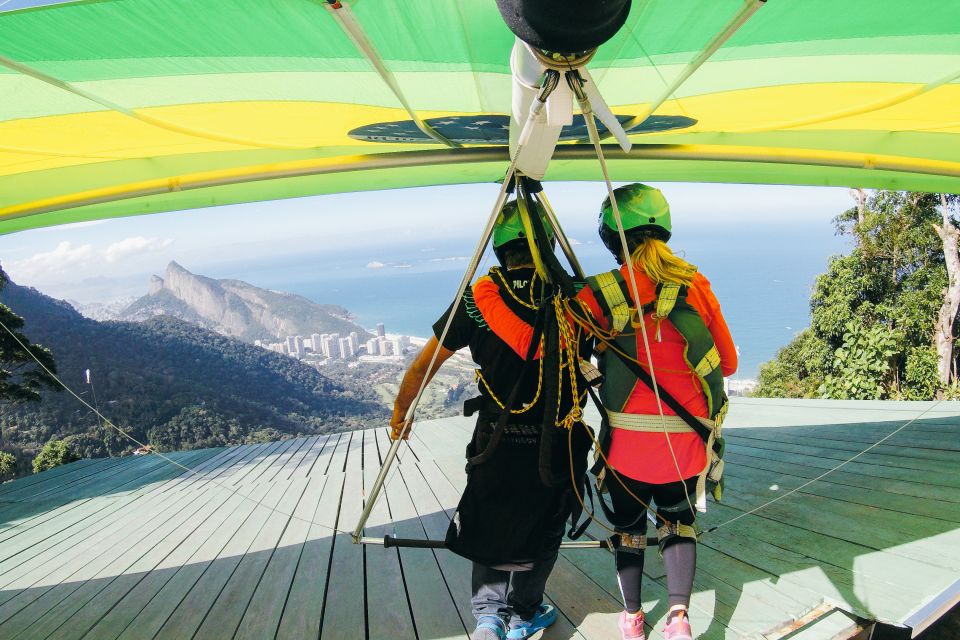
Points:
x=500, y=366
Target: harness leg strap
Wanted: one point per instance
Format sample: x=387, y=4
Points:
x=673, y=532
x=634, y=543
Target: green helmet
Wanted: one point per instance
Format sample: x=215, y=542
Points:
x=508, y=230
x=643, y=210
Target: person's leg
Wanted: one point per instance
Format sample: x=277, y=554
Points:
x=632, y=527
x=678, y=545
x=526, y=594
x=631, y=524
x=489, y=602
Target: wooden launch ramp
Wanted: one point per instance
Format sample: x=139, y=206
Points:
x=241, y=546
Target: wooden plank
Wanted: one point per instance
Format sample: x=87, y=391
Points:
x=263, y=613
x=344, y=615
x=262, y=469
x=133, y=603
x=842, y=440
x=147, y=546
x=297, y=458
x=338, y=458
x=931, y=468
x=29, y=605
x=237, y=473
x=757, y=473
x=151, y=619
x=189, y=614
x=319, y=466
x=313, y=456
x=431, y=603
x=224, y=617
x=36, y=515
x=280, y=461
x=388, y=610
x=302, y=613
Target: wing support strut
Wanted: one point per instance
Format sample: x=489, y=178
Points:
x=348, y=22
x=740, y=18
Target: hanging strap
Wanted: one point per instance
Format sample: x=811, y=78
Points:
x=648, y=423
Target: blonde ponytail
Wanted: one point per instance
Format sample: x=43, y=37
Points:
x=657, y=260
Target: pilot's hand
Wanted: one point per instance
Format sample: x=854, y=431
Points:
x=396, y=426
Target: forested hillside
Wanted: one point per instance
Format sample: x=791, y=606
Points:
x=168, y=383
x=884, y=317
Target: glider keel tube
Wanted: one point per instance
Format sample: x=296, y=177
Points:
x=347, y=164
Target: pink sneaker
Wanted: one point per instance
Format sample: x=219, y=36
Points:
x=631, y=628
x=678, y=628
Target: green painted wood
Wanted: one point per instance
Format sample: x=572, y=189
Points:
x=222, y=504
x=83, y=607
x=305, y=600
x=190, y=612
x=294, y=461
x=431, y=604
x=756, y=474
x=263, y=613
x=932, y=468
x=18, y=550
x=237, y=473
x=313, y=457
x=282, y=460
x=227, y=611
x=388, y=606
x=96, y=554
x=36, y=516
x=338, y=458
x=834, y=625
x=267, y=460
x=203, y=552
x=847, y=440
x=344, y=614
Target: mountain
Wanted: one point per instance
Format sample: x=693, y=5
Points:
x=237, y=309
x=169, y=383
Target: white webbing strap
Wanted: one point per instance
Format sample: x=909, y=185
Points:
x=653, y=423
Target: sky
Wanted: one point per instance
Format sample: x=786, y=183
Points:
x=112, y=259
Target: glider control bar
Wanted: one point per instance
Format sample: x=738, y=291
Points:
x=391, y=541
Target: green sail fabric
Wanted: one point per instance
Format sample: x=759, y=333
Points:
x=100, y=99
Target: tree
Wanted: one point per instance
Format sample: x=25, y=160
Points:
x=884, y=316
x=8, y=465
x=949, y=235
x=54, y=453
x=21, y=377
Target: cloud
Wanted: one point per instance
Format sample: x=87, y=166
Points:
x=375, y=265
x=64, y=258
x=133, y=246
x=574, y=242
x=78, y=260
x=450, y=259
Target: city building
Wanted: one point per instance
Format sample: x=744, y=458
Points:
x=381, y=330
x=331, y=346
x=315, y=343
x=373, y=347
x=346, y=348
x=298, y=349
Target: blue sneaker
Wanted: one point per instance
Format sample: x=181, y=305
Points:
x=489, y=628
x=546, y=616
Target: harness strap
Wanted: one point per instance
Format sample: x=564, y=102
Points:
x=649, y=423
x=709, y=362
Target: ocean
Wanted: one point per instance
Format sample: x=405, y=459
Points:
x=762, y=274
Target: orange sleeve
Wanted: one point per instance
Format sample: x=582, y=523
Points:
x=508, y=326
x=705, y=302
x=587, y=297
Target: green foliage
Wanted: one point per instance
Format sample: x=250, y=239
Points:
x=8, y=465
x=861, y=365
x=797, y=370
x=921, y=377
x=21, y=378
x=874, y=309
x=53, y=454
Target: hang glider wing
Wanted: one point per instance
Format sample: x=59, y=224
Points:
x=123, y=107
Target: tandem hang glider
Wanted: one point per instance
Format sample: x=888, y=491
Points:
x=123, y=107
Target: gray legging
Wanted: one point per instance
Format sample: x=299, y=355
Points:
x=679, y=554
